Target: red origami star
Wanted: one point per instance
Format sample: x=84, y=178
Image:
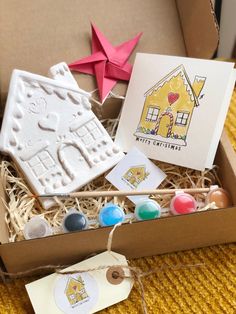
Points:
x=109, y=64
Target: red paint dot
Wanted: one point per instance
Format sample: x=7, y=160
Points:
x=184, y=204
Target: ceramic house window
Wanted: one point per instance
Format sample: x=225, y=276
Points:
x=152, y=113
x=40, y=163
x=182, y=118
x=89, y=133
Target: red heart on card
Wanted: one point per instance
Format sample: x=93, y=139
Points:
x=74, y=287
x=172, y=97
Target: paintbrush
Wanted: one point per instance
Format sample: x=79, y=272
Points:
x=88, y=194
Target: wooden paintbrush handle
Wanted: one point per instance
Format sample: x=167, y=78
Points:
x=85, y=194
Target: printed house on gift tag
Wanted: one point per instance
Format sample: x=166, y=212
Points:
x=53, y=135
x=75, y=291
x=169, y=106
x=135, y=175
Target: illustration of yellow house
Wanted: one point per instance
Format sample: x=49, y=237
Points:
x=75, y=290
x=135, y=175
x=169, y=106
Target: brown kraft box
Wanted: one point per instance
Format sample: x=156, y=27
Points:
x=36, y=35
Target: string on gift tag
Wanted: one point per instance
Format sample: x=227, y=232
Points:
x=110, y=237
x=135, y=273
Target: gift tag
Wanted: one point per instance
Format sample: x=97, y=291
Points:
x=100, y=285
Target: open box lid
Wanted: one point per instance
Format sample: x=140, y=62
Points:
x=36, y=35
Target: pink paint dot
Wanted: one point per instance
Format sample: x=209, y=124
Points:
x=183, y=204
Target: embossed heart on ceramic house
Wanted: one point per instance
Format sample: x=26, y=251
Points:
x=49, y=123
x=53, y=135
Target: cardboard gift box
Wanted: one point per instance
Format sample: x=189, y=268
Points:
x=37, y=35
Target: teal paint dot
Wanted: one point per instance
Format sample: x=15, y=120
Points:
x=147, y=209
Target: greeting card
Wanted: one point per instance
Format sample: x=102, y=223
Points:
x=136, y=172
x=175, y=108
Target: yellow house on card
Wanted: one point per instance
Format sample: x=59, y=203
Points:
x=169, y=106
x=75, y=290
x=135, y=175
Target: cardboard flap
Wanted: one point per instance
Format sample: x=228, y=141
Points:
x=199, y=26
x=226, y=160
x=4, y=236
x=38, y=34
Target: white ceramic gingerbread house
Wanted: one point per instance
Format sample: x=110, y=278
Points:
x=52, y=134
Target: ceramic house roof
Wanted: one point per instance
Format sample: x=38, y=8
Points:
x=179, y=70
x=53, y=135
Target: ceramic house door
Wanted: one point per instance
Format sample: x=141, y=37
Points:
x=74, y=159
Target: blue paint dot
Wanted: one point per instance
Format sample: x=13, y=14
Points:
x=110, y=215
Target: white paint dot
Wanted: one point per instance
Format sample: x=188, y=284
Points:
x=65, y=181
x=96, y=160
x=12, y=142
x=18, y=114
x=116, y=149
x=48, y=190
x=103, y=157
x=65, y=67
x=16, y=127
x=19, y=99
x=57, y=184
x=86, y=103
x=60, y=94
x=61, y=71
x=109, y=152
x=104, y=142
x=30, y=93
x=42, y=182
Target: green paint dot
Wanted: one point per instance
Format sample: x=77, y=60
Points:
x=147, y=210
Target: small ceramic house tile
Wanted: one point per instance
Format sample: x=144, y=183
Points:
x=52, y=134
